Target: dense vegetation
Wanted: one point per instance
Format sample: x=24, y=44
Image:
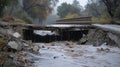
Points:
x=28, y=10
x=37, y=10
x=100, y=10
x=69, y=10
x=103, y=9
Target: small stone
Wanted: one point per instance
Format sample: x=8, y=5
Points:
x=55, y=57
x=23, y=53
x=102, y=49
x=48, y=48
x=62, y=55
x=11, y=56
x=72, y=50
x=26, y=45
x=107, y=50
x=52, y=44
x=83, y=40
x=43, y=46
x=17, y=35
x=67, y=43
x=35, y=48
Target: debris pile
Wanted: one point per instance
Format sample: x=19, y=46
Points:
x=97, y=37
x=13, y=50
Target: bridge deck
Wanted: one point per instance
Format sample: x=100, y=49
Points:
x=48, y=27
x=109, y=27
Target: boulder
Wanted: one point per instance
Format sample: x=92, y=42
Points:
x=115, y=38
x=95, y=37
x=16, y=34
x=13, y=45
x=83, y=40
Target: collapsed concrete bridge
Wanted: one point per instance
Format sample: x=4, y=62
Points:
x=65, y=30
x=60, y=35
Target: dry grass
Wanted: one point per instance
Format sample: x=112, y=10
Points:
x=12, y=20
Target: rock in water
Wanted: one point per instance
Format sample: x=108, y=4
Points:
x=26, y=45
x=35, y=48
x=13, y=45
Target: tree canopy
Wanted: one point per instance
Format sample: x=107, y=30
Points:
x=68, y=9
x=38, y=8
x=30, y=8
x=3, y=3
x=111, y=5
x=102, y=9
x=117, y=12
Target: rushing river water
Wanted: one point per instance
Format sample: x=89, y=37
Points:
x=78, y=56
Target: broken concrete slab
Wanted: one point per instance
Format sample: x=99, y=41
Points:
x=16, y=34
x=13, y=45
x=115, y=38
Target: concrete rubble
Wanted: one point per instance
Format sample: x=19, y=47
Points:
x=97, y=37
x=13, y=45
x=14, y=51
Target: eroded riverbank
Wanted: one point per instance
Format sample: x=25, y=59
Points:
x=64, y=53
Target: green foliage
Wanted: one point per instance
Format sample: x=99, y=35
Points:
x=23, y=16
x=65, y=8
x=111, y=6
x=33, y=8
x=117, y=12
x=2, y=42
x=95, y=9
x=3, y=54
x=39, y=8
x=69, y=16
x=1, y=45
x=102, y=19
x=27, y=19
x=3, y=58
x=103, y=10
x=3, y=3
